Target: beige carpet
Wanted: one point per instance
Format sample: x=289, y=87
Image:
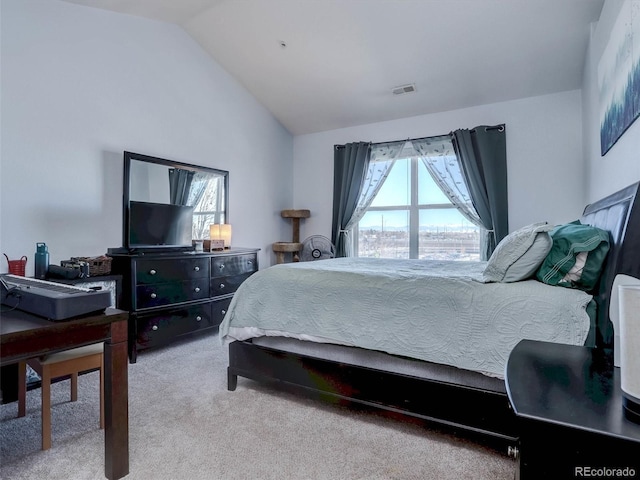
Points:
x=184, y=424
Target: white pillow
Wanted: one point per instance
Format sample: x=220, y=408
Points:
x=519, y=254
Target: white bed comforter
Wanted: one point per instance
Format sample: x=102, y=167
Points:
x=440, y=312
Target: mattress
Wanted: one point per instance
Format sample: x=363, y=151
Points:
x=434, y=311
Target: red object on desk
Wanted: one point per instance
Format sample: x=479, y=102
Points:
x=17, y=267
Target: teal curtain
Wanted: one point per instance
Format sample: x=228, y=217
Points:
x=482, y=153
x=179, y=185
x=350, y=165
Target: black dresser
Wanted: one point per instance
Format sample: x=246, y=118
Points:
x=169, y=295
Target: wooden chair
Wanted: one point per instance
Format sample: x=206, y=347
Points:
x=68, y=362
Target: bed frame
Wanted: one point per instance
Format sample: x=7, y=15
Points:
x=464, y=407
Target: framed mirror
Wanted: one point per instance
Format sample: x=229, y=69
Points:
x=168, y=204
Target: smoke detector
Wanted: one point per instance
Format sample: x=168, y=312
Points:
x=402, y=89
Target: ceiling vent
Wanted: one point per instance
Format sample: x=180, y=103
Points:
x=401, y=90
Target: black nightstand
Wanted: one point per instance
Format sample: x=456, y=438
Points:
x=569, y=405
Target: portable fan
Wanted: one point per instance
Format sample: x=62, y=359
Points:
x=317, y=247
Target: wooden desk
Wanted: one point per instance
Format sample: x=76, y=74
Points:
x=23, y=336
x=569, y=404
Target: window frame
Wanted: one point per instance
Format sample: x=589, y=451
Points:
x=413, y=208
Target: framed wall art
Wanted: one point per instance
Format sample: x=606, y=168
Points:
x=619, y=76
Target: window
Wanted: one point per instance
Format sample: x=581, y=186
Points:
x=410, y=217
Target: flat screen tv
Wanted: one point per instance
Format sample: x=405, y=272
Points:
x=159, y=225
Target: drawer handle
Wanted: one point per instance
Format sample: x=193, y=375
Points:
x=196, y=268
x=155, y=327
x=198, y=318
x=224, y=312
x=153, y=295
x=249, y=262
x=152, y=272
x=197, y=289
x=222, y=285
x=221, y=266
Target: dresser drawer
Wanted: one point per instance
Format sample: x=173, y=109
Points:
x=162, y=328
x=170, y=294
x=159, y=294
x=219, y=310
x=225, y=285
x=167, y=269
x=234, y=265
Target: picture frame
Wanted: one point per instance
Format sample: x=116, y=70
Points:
x=619, y=77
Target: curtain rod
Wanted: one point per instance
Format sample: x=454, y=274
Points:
x=495, y=127
x=410, y=139
x=499, y=127
x=394, y=141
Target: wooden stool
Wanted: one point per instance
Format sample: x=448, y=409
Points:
x=68, y=362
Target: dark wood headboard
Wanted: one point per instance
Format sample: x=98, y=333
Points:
x=619, y=214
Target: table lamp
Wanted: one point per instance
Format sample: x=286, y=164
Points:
x=221, y=231
x=629, y=304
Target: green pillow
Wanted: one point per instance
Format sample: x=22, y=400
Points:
x=576, y=257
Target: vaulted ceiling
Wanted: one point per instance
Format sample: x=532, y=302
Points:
x=324, y=64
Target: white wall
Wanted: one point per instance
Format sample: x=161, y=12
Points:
x=544, y=157
x=620, y=166
x=80, y=86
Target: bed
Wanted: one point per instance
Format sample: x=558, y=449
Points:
x=417, y=377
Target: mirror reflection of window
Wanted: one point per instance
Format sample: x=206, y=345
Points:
x=207, y=198
x=205, y=191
